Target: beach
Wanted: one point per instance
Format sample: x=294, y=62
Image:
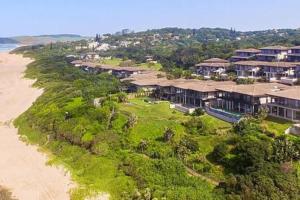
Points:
x=23, y=168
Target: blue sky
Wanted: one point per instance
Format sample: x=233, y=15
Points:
x=87, y=17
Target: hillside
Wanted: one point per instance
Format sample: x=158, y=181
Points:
x=46, y=39
x=8, y=41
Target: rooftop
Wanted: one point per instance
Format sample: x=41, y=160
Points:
x=275, y=48
x=216, y=60
x=250, y=50
x=255, y=90
x=295, y=47
x=268, y=64
x=291, y=93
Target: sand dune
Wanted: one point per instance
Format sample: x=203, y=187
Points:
x=23, y=169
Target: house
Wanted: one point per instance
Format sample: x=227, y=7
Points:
x=93, y=45
x=286, y=72
x=248, y=69
x=103, y=47
x=285, y=104
x=196, y=93
x=212, y=67
x=244, y=54
x=233, y=101
x=273, y=53
x=294, y=55
x=90, y=56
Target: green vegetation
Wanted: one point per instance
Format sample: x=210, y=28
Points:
x=276, y=125
x=113, y=61
x=154, y=66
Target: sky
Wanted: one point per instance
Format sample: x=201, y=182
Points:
x=88, y=17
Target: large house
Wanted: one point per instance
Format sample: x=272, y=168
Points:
x=245, y=99
x=285, y=104
x=244, y=54
x=273, y=53
x=286, y=72
x=247, y=69
x=212, y=67
x=119, y=72
x=294, y=55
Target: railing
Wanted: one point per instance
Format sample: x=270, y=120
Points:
x=287, y=80
x=182, y=108
x=224, y=115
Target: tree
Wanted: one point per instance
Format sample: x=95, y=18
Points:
x=219, y=152
x=284, y=150
x=168, y=135
x=143, y=145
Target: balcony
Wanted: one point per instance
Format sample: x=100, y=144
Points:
x=287, y=80
x=183, y=108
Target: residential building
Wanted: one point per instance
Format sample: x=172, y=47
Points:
x=294, y=55
x=285, y=104
x=286, y=72
x=248, y=69
x=244, y=54
x=212, y=67
x=245, y=99
x=273, y=53
x=119, y=72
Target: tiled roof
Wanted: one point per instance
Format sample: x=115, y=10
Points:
x=257, y=89
x=250, y=50
x=215, y=60
x=275, y=48
x=291, y=93
x=268, y=64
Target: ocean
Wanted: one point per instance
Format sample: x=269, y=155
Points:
x=7, y=47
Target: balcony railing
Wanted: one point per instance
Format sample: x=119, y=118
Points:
x=224, y=115
x=287, y=80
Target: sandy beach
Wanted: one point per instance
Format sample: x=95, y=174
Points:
x=23, y=169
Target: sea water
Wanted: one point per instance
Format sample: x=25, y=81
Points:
x=7, y=47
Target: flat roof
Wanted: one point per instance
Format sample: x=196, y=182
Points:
x=249, y=50
x=255, y=90
x=215, y=60
x=202, y=86
x=295, y=47
x=276, y=47
x=291, y=93
x=268, y=64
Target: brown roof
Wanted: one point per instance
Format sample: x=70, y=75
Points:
x=295, y=47
x=255, y=90
x=149, y=79
x=75, y=62
x=225, y=65
x=291, y=93
x=268, y=64
x=250, y=50
x=275, y=48
x=201, y=86
x=215, y=60
x=109, y=67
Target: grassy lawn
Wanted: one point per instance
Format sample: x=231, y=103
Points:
x=117, y=61
x=276, y=125
x=153, y=119
x=113, y=62
x=156, y=66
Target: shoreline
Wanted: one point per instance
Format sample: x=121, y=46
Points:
x=24, y=170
